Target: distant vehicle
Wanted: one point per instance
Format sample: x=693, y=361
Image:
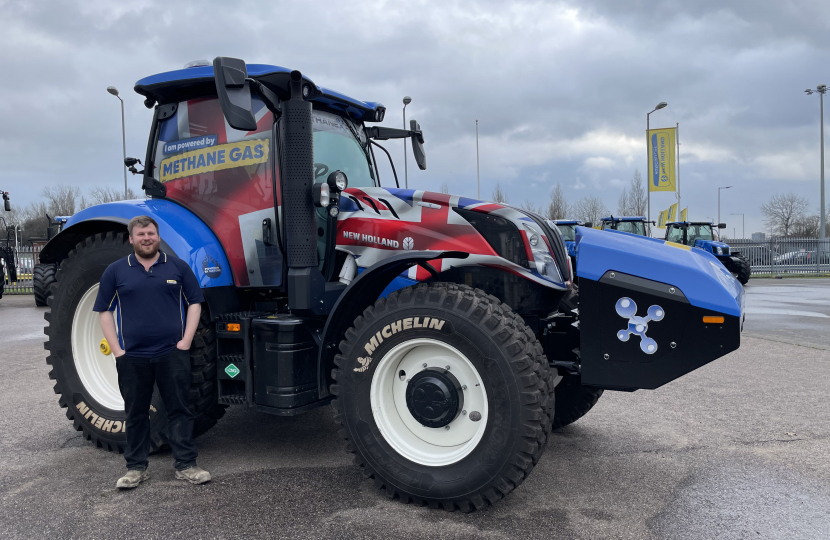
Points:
x=801, y=257
x=630, y=224
x=698, y=234
x=567, y=227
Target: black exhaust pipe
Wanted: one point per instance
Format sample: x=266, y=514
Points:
x=306, y=285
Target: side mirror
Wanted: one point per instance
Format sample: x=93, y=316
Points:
x=589, y=224
x=234, y=92
x=418, y=145
x=721, y=225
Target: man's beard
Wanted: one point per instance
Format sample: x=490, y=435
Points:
x=146, y=252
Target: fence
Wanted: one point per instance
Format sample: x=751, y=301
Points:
x=782, y=256
x=26, y=257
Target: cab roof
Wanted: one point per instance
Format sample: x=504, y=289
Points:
x=623, y=218
x=710, y=223
x=192, y=82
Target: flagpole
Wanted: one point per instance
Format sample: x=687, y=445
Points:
x=677, y=139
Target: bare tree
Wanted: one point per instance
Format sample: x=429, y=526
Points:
x=499, y=196
x=622, y=204
x=558, y=207
x=590, y=208
x=445, y=187
x=637, y=196
x=106, y=194
x=530, y=207
x=61, y=200
x=782, y=212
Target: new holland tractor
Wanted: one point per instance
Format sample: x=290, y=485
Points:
x=440, y=328
x=699, y=234
x=629, y=224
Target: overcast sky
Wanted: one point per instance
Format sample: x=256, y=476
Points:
x=560, y=89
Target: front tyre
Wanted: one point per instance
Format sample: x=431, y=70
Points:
x=444, y=395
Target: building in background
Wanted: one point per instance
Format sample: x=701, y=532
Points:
x=758, y=237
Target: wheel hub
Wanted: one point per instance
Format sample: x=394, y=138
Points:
x=434, y=397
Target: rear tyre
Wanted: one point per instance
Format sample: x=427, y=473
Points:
x=85, y=378
x=466, y=429
x=573, y=400
x=43, y=276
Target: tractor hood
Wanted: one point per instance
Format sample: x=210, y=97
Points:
x=698, y=274
x=711, y=246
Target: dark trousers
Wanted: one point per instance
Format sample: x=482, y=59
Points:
x=171, y=373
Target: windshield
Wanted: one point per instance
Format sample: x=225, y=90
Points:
x=633, y=227
x=675, y=235
x=335, y=148
x=699, y=232
x=568, y=232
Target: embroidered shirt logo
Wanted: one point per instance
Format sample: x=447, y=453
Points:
x=172, y=282
x=627, y=309
x=364, y=364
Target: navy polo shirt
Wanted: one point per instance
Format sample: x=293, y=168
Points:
x=150, y=306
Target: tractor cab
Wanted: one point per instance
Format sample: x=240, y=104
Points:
x=629, y=224
x=567, y=227
x=700, y=234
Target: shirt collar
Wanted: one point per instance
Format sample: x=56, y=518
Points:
x=162, y=258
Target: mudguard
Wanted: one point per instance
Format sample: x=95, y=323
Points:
x=181, y=231
x=364, y=290
x=651, y=311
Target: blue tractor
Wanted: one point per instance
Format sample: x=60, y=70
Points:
x=439, y=328
x=629, y=224
x=567, y=228
x=699, y=234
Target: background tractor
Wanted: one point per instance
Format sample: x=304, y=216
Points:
x=699, y=234
x=439, y=327
x=630, y=224
x=8, y=266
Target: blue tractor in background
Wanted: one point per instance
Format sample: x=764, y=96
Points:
x=629, y=224
x=699, y=234
x=567, y=228
x=439, y=328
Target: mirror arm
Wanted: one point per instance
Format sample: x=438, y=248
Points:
x=392, y=163
x=268, y=97
x=385, y=133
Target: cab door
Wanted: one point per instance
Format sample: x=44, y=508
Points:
x=226, y=177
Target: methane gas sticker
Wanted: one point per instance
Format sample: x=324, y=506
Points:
x=215, y=158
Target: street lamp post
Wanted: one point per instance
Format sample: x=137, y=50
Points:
x=743, y=224
x=114, y=91
x=720, y=188
x=648, y=156
x=821, y=90
x=406, y=101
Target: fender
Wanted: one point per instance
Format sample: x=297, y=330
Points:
x=368, y=286
x=183, y=235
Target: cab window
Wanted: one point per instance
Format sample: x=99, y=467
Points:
x=675, y=235
x=336, y=148
x=568, y=232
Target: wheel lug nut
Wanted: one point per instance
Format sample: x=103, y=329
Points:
x=447, y=368
x=464, y=387
x=446, y=427
x=424, y=365
x=464, y=413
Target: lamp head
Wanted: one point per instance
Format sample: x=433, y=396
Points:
x=407, y=100
x=112, y=90
x=660, y=105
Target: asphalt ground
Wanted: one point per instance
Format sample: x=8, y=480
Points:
x=736, y=449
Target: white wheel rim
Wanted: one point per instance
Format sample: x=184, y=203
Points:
x=95, y=369
x=433, y=447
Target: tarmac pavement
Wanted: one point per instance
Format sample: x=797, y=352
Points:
x=736, y=449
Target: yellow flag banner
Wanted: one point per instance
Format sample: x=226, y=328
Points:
x=672, y=212
x=662, y=219
x=661, y=152
x=684, y=214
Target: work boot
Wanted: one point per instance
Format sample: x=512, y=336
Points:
x=132, y=479
x=194, y=475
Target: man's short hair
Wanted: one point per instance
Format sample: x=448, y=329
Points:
x=141, y=221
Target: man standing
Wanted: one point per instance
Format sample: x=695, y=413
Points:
x=158, y=300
